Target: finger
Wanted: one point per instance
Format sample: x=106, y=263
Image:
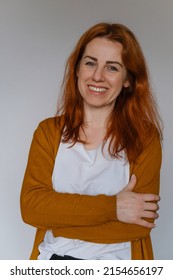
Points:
x=151, y=206
x=151, y=197
x=131, y=183
x=150, y=214
x=146, y=224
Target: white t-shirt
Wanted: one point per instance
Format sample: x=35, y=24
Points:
x=89, y=172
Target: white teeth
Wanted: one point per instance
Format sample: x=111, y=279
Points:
x=97, y=89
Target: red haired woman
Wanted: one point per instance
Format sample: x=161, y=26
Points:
x=92, y=180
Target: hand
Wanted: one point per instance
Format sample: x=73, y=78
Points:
x=134, y=207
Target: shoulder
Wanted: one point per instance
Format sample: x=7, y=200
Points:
x=152, y=149
x=53, y=123
x=48, y=133
x=154, y=146
x=51, y=126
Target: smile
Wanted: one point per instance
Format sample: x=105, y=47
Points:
x=97, y=89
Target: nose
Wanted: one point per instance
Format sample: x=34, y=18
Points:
x=98, y=74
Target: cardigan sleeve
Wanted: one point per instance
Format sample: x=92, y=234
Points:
x=91, y=218
x=41, y=206
x=147, y=170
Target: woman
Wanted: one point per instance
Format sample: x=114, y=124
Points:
x=78, y=189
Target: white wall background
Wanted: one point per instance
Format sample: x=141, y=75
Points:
x=36, y=37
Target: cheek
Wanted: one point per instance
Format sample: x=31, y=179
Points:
x=80, y=84
x=80, y=77
x=84, y=73
x=82, y=81
x=117, y=82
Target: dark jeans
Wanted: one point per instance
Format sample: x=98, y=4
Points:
x=57, y=257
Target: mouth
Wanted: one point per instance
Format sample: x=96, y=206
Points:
x=97, y=90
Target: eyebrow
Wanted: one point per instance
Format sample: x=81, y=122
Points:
x=107, y=62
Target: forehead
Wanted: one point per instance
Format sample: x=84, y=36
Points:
x=101, y=47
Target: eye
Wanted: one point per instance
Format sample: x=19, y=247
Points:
x=90, y=63
x=112, y=68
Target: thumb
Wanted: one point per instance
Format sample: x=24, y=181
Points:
x=131, y=183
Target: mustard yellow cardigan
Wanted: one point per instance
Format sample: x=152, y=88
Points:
x=89, y=218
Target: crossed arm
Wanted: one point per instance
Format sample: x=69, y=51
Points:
x=42, y=207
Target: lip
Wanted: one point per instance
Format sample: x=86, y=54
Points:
x=97, y=90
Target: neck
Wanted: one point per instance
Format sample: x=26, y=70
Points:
x=96, y=117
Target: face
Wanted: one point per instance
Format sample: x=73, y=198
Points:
x=101, y=73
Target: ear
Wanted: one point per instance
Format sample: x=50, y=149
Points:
x=126, y=83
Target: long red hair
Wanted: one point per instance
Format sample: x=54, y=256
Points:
x=135, y=119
